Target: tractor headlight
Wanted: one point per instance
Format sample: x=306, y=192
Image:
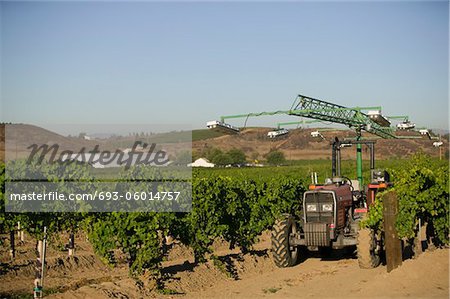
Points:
x=328, y=207
x=311, y=208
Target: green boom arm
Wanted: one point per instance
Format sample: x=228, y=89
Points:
x=352, y=117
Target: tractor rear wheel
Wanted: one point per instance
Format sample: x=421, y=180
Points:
x=284, y=254
x=367, y=256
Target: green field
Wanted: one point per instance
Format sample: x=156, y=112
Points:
x=205, y=134
x=301, y=170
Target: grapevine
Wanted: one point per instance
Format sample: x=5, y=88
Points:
x=422, y=189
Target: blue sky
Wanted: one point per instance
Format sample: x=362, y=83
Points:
x=155, y=62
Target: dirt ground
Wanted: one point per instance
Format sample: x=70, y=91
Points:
x=232, y=276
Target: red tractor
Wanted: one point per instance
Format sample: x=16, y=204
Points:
x=330, y=217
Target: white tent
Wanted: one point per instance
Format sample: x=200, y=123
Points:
x=201, y=162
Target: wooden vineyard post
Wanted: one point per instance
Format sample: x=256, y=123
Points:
x=71, y=244
x=44, y=249
x=393, y=243
x=420, y=242
x=12, y=248
x=40, y=267
x=20, y=233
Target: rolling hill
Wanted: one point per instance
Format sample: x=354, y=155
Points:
x=297, y=145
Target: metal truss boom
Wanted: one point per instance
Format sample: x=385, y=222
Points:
x=353, y=117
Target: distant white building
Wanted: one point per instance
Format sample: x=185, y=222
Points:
x=201, y=162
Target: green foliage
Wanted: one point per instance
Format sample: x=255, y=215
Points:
x=275, y=158
x=233, y=204
x=232, y=209
x=233, y=156
x=422, y=187
x=221, y=266
x=301, y=171
x=236, y=210
x=205, y=134
x=183, y=158
x=237, y=156
x=34, y=223
x=133, y=233
x=375, y=215
x=214, y=155
x=138, y=235
x=221, y=159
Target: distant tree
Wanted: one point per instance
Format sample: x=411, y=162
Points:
x=196, y=154
x=222, y=159
x=211, y=153
x=236, y=156
x=275, y=158
x=183, y=158
x=218, y=157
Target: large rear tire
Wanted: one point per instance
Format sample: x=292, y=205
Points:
x=284, y=254
x=367, y=256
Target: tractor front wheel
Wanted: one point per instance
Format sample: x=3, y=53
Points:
x=368, y=257
x=284, y=253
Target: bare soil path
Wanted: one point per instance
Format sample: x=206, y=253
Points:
x=234, y=276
